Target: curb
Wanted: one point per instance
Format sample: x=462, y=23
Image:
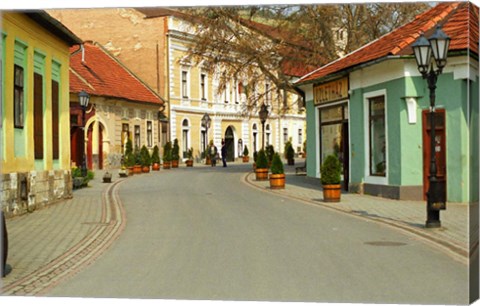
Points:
x=450, y=248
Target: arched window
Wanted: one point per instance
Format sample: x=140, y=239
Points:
x=267, y=134
x=185, y=137
x=255, y=133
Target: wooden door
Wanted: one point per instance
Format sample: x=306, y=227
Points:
x=440, y=148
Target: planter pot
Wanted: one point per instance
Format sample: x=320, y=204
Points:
x=145, y=169
x=174, y=163
x=254, y=167
x=166, y=165
x=130, y=171
x=155, y=167
x=123, y=173
x=246, y=159
x=277, y=181
x=107, y=177
x=189, y=163
x=261, y=174
x=137, y=169
x=332, y=193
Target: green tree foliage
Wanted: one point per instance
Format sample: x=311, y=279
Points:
x=145, y=159
x=155, y=155
x=175, y=150
x=167, y=151
x=277, y=164
x=330, y=170
x=261, y=162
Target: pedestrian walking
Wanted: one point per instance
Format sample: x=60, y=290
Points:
x=213, y=155
x=224, y=153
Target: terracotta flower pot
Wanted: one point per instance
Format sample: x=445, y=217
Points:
x=145, y=169
x=155, y=167
x=174, y=163
x=277, y=181
x=246, y=159
x=137, y=169
x=166, y=165
x=130, y=171
x=261, y=174
x=189, y=163
x=332, y=193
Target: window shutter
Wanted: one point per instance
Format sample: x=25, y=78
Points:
x=55, y=120
x=38, y=115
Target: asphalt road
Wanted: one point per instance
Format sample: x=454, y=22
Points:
x=202, y=234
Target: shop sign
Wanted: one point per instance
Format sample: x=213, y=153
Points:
x=331, y=91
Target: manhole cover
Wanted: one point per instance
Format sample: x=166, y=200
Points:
x=385, y=243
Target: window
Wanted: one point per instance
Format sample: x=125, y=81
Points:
x=267, y=140
x=267, y=94
x=149, y=134
x=38, y=115
x=185, y=132
x=255, y=132
x=137, y=136
x=55, y=120
x=18, y=97
x=203, y=89
x=125, y=135
x=164, y=128
x=285, y=135
x=184, y=84
x=377, y=143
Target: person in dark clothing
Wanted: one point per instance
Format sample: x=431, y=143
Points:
x=224, y=153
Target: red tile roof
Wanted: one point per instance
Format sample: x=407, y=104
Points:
x=103, y=75
x=459, y=21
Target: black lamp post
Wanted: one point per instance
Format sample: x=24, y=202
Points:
x=206, y=124
x=263, y=113
x=437, y=44
x=84, y=98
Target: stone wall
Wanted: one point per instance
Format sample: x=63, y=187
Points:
x=24, y=192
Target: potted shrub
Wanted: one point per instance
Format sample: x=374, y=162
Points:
x=277, y=178
x=167, y=155
x=189, y=161
x=330, y=177
x=155, y=158
x=175, y=153
x=245, y=157
x=289, y=153
x=255, y=155
x=129, y=159
x=145, y=159
x=269, y=151
x=137, y=167
x=261, y=170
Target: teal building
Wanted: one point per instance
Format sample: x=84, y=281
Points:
x=370, y=109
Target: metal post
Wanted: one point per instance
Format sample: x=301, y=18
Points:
x=433, y=215
x=84, y=160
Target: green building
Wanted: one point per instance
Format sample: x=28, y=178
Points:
x=370, y=109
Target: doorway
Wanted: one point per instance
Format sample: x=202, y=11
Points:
x=440, y=149
x=230, y=144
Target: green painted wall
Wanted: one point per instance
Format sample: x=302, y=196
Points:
x=474, y=141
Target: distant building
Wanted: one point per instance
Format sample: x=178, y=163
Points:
x=121, y=107
x=369, y=108
x=35, y=161
x=160, y=39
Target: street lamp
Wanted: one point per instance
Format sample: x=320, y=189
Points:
x=263, y=113
x=206, y=124
x=437, y=44
x=84, y=98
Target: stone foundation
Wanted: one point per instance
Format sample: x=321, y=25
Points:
x=23, y=192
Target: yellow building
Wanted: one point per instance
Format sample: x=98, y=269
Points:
x=35, y=152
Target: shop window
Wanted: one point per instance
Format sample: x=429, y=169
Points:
x=377, y=142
